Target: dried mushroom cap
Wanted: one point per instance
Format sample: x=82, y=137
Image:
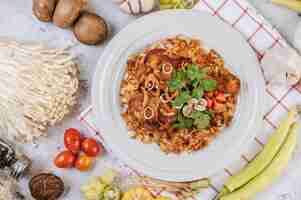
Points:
x=46, y=187
x=90, y=29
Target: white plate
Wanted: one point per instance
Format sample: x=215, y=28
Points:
x=148, y=159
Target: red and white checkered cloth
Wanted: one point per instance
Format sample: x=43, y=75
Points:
x=261, y=36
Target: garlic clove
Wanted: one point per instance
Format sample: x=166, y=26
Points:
x=125, y=7
x=282, y=65
x=131, y=7
x=147, y=5
x=135, y=7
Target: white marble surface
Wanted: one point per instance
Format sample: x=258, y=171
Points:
x=17, y=21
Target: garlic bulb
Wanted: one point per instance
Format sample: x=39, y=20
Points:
x=135, y=7
x=282, y=65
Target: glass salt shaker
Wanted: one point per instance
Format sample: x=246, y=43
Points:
x=15, y=163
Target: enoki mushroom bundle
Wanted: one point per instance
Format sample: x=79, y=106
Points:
x=9, y=188
x=38, y=87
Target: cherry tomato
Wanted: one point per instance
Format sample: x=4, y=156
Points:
x=220, y=97
x=72, y=140
x=65, y=159
x=209, y=103
x=91, y=147
x=83, y=163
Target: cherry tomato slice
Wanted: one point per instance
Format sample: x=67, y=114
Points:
x=84, y=163
x=72, y=140
x=220, y=97
x=91, y=147
x=209, y=103
x=65, y=159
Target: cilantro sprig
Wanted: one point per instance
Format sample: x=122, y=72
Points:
x=190, y=82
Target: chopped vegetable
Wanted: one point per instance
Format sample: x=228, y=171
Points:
x=194, y=73
x=273, y=171
x=202, y=121
x=197, y=92
x=264, y=158
x=209, y=85
x=191, y=85
x=102, y=188
x=112, y=193
x=94, y=189
x=181, y=99
x=109, y=176
x=138, y=193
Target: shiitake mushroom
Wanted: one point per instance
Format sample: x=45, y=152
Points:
x=67, y=11
x=46, y=186
x=43, y=9
x=90, y=29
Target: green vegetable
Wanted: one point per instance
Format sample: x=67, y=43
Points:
x=112, y=193
x=209, y=85
x=291, y=4
x=102, y=188
x=184, y=123
x=273, y=171
x=190, y=83
x=109, y=176
x=263, y=159
x=199, y=115
x=194, y=73
x=202, y=183
x=197, y=93
x=94, y=189
x=174, y=84
x=181, y=75
x=178, y=80
x=181, y=99
x=202, y=121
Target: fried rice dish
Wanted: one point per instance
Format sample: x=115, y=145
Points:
x=178, y=94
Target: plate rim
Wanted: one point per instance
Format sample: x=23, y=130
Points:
x=121, y=155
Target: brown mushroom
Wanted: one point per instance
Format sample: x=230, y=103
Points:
x=43, y=9
x=90, y=29
x=67, y=11
x=46, y=186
